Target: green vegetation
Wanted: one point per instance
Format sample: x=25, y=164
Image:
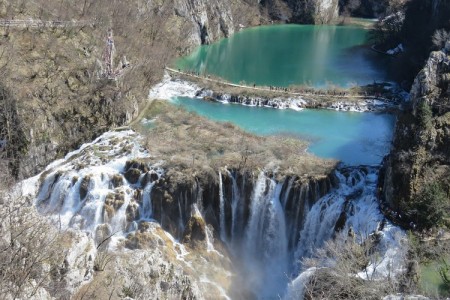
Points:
x=432, y=282
x=430, y=206
x=425, y=115
x=444, y=272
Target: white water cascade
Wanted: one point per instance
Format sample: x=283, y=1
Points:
x=265, y=245
x=222, y=210
x=236, y=209
x=268, y=232
x=356, y=197
x=146, y=208
x=78, y=191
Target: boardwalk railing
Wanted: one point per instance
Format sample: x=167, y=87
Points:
x=40, y=23
x=318, y=93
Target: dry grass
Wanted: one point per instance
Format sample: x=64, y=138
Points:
x=187, y=141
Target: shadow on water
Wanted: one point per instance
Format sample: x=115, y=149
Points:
x=372, y=142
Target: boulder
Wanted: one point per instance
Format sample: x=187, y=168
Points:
x=84, y=186
x=132, y=175
x=117, y=180
x=195, y=232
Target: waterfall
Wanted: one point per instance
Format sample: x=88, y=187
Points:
x=356, y=197
x=146, y=209
x=119, y=220
x=91, y=169
x=236, y=208
x=268, y=225
x=288, y=190
x=319, y=225
x=222, y=210
x=266, y=253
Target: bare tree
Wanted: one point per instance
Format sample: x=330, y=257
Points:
x=440, y=37
x=29, y=255
x=337, y=265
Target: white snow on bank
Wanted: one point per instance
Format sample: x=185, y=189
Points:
x=169, y=88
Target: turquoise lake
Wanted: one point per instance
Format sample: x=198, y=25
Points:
x=354, y=138
x=284, y=55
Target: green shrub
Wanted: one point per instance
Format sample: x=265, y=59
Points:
x=424, y=114
x=431, y=206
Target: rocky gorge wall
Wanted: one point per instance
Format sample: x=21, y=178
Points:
x=421, y=153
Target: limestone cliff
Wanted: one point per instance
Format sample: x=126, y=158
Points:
x=421, y=152
x=304, y=11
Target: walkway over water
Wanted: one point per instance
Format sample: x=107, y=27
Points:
x=341, y=93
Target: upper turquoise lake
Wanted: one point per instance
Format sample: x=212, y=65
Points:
x=284, y=55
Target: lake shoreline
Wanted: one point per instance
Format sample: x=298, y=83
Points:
x=389, y=100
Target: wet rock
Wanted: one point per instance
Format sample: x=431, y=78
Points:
x=117, y=180
x=84, y=186
x=132, y=212
x=136, y=164
x=164, y=286
x=102, y=233
x=340, y=223
x=151, y=176
x=195, y=232
x=132, y=175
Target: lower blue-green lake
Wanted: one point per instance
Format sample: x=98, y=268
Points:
x=352, y=137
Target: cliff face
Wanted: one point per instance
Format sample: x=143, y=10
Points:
x=313, y=11
x=421, y=152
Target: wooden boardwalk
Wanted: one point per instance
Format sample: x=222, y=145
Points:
x=31, y=23
x=281, y=91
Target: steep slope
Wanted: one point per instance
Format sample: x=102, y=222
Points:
x=55, y=90
x=420, y=158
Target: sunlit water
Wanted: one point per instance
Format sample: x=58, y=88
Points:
x=284, y=55
x=355, y=138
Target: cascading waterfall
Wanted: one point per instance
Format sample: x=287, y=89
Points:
x=222, y=210
x=146, y=209
x=265, y=247
x=85, y=197
x=236, y=208
x=119, y=220
x=268, y=232
x=356, y=197
x=269, y=259
x=319, y=225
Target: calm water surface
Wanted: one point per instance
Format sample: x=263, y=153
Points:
x=284, y=55
x=354, y=138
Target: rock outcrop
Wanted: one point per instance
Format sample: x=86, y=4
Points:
x=314, y=11
x=421, y=152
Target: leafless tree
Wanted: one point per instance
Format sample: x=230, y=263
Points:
x=338, y=264
x=440, y=37
x=29, y=255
